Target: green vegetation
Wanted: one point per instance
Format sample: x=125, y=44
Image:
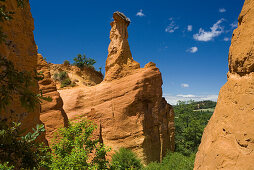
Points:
x=190, y=125
x=174, y=161
x=63, y=78
x=82, y=61
x=125, y=159
x=21, y=151
x=74, y=148
x=66, y=63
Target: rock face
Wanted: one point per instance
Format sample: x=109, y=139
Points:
x=128, y=104
x=52, y=114
x=20, y=48
x=228, y=139
x=119, y=62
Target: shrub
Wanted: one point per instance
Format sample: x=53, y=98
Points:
x=82, y=61
x=66, y=63
x=175, y=161
x=21, y=151
x=65, y=82
x=74, y=148
x=125, y=159
x=62, y=75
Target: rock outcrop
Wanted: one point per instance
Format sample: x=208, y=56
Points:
x=52, y=114
x=20, y=48
x=128, y=104
x=80, y=77
x=228, y=139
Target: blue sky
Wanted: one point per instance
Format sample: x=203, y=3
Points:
x=188, y=40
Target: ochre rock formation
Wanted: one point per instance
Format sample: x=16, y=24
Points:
x=128, y=104
x=228, y=139
x=20, y=48
x=52, y=114
x=119, y=62
x=80, y=77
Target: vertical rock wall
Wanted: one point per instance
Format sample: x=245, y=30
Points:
x=228, y=139
x=20, y=48
x=52, y=114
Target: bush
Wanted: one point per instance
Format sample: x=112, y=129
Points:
x=56, y=76
x=74, y=148
x=62, y=75
x=125, y=159
x=21, y=151
x=82, y=61
x=66, y=63
x=175, y=161
x=65, y=82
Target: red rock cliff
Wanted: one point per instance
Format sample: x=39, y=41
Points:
x=128, y=104
x=20, y=48
x=228, y=139
x=52, y=114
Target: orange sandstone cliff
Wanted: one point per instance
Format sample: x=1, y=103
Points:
x=20, y=48
x=228, y=139
x=128, y=104
x=52, y=114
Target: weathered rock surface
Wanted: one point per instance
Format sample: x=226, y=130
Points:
x=228, y=139
x=128, y=104
x=80, y=77
x=20, y=48
x=52, y=114
x=119, y=62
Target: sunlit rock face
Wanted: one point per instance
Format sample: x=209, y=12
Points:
x=128, y=104
x=228, y=139
x=52, y=114
x=20, y=48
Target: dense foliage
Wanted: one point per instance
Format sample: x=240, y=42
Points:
x=125, y=159
x=74, y=148
x=82, y=61
x=63, y=78
x=189, y=126
x=174, y=161
x=20, y=150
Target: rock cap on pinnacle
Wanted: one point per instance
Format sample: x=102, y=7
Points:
x=121, y=15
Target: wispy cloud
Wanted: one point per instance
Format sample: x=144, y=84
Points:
x=222, y=10
x=234, y=25
x=215, y=31
x=184, y=85
x=172, y=26
x=189, y=28
x=140, y=13
x=193, y=50
x=171, y=99
x=226, y=39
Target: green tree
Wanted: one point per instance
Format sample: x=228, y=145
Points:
x=82, y=61
x=74, y=148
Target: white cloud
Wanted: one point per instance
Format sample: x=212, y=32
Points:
x=140, y=13
x=222, y=10
x=173, y=99
x=184, y=85
x=234, y=25
x=189, y=28
x=215, y=31
x=193, y=50
x=172, y=26
x=226, y=39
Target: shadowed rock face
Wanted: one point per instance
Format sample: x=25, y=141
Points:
x=52, y=114
x=20, y=48
x=128, y=104
x=228, y=139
